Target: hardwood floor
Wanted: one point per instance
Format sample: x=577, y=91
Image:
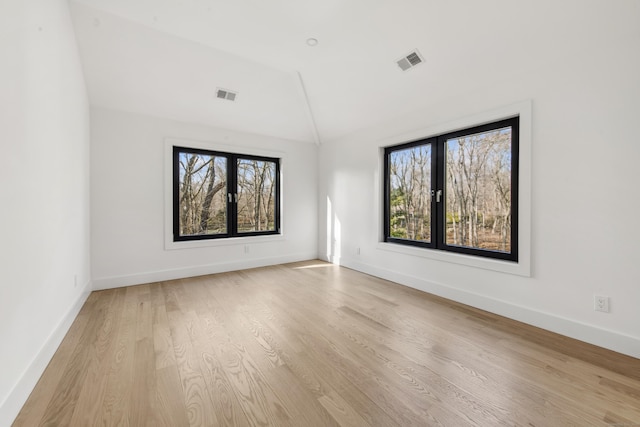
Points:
x=312, y=344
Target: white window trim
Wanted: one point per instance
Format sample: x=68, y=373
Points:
x=523, y=266
x=169, y=243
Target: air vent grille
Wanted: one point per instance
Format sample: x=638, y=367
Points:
x=410, y=60
x=414, y=59
x=226, y=94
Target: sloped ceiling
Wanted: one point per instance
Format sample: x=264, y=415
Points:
x=167, y=57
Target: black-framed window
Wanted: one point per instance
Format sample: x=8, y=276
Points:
x=221, y=195
x=456, y=192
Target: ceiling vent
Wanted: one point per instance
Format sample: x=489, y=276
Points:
x=226, y=94
x=410, y=61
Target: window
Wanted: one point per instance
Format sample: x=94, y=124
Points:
x=217, y=195
x=456, y=192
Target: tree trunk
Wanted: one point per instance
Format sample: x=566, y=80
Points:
x=212, y=189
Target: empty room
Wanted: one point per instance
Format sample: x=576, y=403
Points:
x=334, y=213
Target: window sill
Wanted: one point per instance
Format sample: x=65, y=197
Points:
x=520, y=268
x=231, y=241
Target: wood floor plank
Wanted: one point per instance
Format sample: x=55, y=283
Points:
x=316, y=373
x=223, y=398
x=260, y=403
x=143, y=409
x=39, y=399
x=314, y=344
x=63, y=400
x=168, y=406
x=302, y=408
x=428, y=366
x=197, y=400
x=402, y=398
x=341, y=410
x=380, y=321
x=94, y=385
x=118, y=391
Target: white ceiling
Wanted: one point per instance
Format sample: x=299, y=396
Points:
x=167, y=57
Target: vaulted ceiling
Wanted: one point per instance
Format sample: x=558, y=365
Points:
x=168, y=58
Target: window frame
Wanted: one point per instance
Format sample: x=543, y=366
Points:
x=438, y=180
x=231, y=199
x=387, y=194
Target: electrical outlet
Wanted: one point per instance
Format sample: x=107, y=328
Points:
x=601, y=303
x=357, y=251
x=246, y=249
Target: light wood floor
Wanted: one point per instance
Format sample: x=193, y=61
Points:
x=312, y=344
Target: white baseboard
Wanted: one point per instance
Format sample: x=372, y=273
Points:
x=17, y=397
x=591, y=334
x=200, y=270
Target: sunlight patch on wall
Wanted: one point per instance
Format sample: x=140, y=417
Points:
x=333, y=234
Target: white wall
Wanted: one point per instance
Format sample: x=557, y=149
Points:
x=585, y=193
x=128, y=202
x=44, y=191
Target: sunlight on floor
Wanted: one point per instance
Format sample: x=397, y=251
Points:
x=324, y=264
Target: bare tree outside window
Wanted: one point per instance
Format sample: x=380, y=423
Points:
x=224, y=195
x=256, y=195
x=410, y=193
x=203, y=190
x=478, y=192
x=456, y=192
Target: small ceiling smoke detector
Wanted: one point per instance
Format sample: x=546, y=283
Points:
x=226, y=94
x=312, y=42
x=409, y=61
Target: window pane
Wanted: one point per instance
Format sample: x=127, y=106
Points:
x=202, y=194
x=478, y=190
x=410, y=193
x=256, y=195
